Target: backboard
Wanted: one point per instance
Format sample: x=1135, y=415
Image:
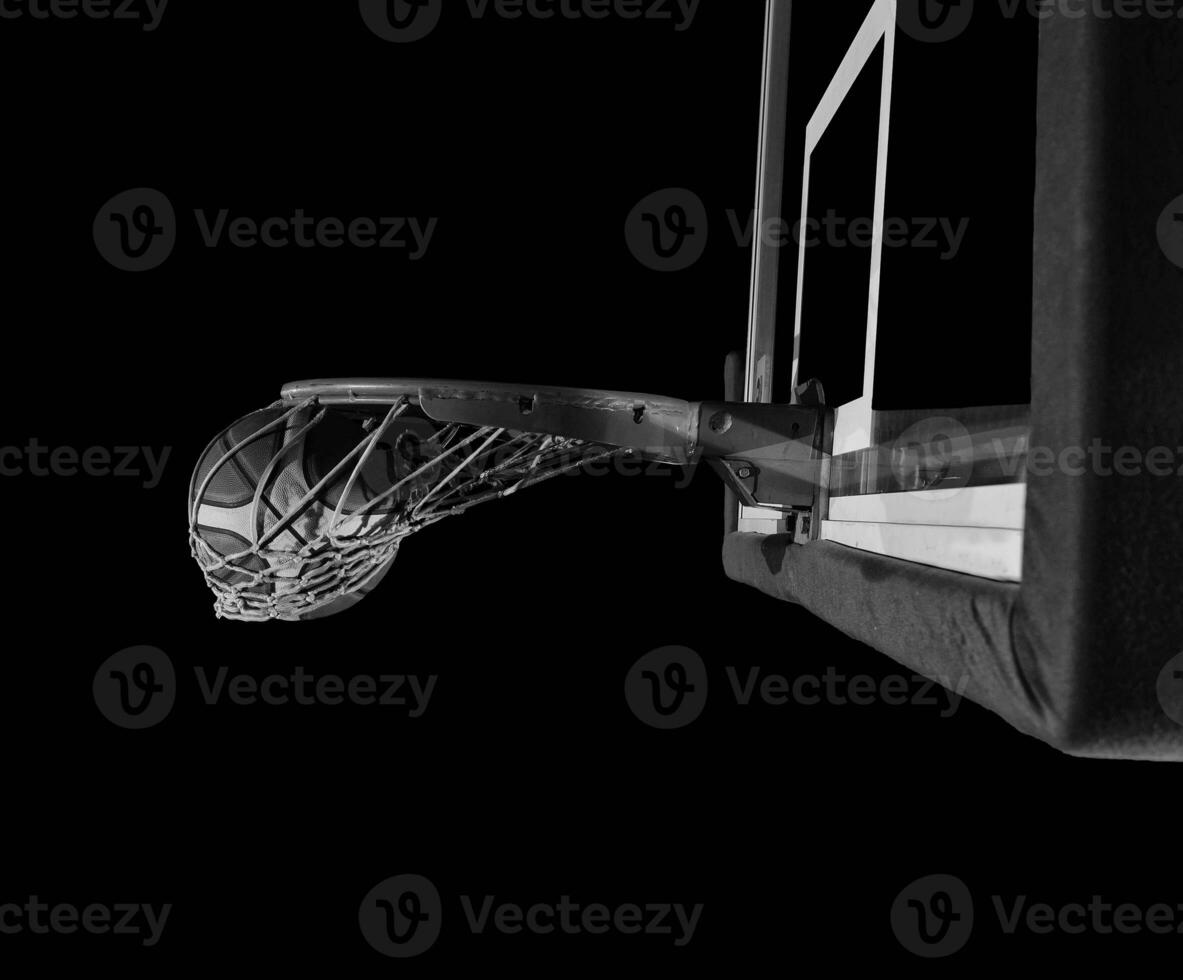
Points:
x=986, y=531
x=877, y=238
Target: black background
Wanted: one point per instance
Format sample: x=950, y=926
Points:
x=528, y=778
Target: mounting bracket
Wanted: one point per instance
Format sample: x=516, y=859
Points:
x=770, y=456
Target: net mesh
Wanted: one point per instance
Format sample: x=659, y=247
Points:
x=298, y=511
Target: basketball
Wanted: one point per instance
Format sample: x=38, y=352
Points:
x=263, y=498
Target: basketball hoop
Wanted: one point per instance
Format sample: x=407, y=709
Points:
x=298, y=511
x=327, y=513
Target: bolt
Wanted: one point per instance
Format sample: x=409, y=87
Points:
x=721, y=422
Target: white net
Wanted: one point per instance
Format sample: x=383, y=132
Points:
x=297, y=511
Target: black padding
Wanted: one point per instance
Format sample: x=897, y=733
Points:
x=1100, y=608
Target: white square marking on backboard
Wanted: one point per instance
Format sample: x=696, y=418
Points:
x=852, y=428
x=853, y=420
x=976, y=530
x=763, y=390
